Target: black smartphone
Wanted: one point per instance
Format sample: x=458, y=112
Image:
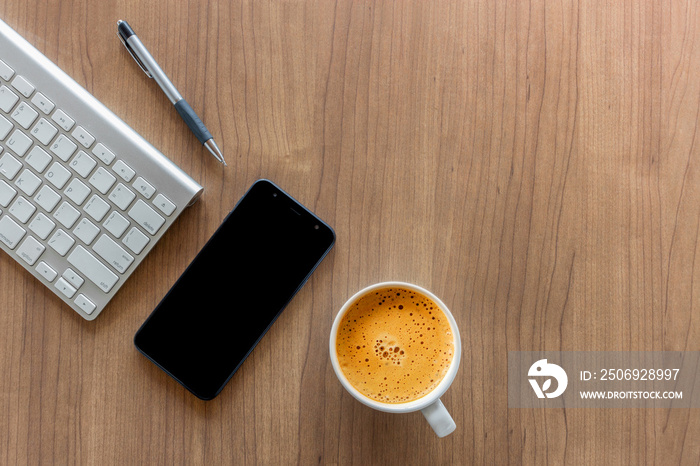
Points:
x=234, y=289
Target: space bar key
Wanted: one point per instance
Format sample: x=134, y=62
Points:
x=92, y=268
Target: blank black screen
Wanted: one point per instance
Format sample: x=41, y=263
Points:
x=235, y=288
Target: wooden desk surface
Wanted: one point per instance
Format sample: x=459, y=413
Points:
x=535, y=164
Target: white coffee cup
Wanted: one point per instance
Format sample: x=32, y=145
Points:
x=429, y=404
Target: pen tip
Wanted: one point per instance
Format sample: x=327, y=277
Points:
x=215, y=151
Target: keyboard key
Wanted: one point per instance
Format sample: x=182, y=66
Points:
x=122, y=196
x=82, y=164
x=92, y=268
x=47, y=198
x=102, y=180
x=44, y=131
x=96, y=208
x=86, y=231
x=10, y=232
x=102, y=153
x=84, y=303
x=77, y=191
x=83, y=137
x=164, y=204
x=8, y=99
x=25, y=115
x=19, y=143
x=65, y=288
x=61, y=242
x=73, y=278
x=38, y=159
x=30, y=250
x=116, y=224
x=28, y=182
x=66, y=215
x=63, y=120
x=5, y=127
x=23, y=86
x=22, y=209
x=6, y=72
x=9, y=166
x=113, y=254
x=57, y=175
x=7, y=193
x=42, y=226
x=46, y=271
x=63, y=147
x=123, y=170
x=42, y=103
x=144, y=187
x=145, y=216
x=135, y=240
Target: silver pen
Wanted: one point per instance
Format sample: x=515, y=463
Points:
x=148, y=64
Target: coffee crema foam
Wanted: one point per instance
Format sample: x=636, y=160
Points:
x=394, y=345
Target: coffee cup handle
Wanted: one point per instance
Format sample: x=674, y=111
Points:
x=439, y=419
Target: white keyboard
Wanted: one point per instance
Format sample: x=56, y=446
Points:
x=83, y=197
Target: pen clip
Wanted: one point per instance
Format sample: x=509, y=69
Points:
x=134, y=56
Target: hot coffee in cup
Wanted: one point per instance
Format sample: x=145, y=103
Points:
x=394, y=345
x=396, y=348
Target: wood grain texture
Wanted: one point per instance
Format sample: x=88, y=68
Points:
x=535, y=164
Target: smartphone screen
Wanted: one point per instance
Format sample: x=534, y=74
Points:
x=234, y=289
